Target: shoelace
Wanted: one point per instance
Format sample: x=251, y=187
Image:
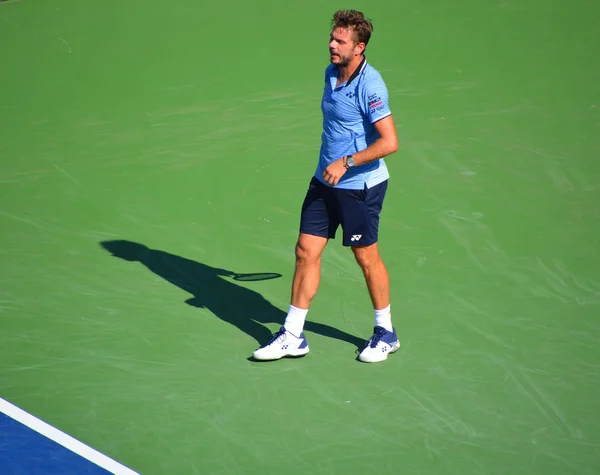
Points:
x=377, y=335
x=277, y=335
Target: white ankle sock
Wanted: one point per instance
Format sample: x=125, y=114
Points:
x=383, y=318
x=294, y=322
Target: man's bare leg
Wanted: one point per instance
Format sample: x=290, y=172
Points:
x=384, y=340
x=376, y=274
x=290, y=341
x=307, y=277
x=307, y=274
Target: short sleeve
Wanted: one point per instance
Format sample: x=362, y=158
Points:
x=374, y=99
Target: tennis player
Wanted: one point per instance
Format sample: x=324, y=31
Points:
x=347, y=189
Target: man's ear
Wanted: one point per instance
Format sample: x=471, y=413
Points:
x=359, y=49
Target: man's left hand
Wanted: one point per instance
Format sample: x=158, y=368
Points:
x=334, y=172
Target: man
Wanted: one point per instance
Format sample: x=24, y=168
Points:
x=348, y=189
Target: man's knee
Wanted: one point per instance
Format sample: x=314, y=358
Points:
x=366, y=256
x=309, y=248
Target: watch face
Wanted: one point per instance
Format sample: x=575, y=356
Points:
x=350, y=161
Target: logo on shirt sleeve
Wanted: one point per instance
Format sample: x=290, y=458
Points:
x=374, y=101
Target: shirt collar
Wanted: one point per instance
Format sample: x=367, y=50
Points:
x=357, y=71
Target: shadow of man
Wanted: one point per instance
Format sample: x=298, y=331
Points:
x=212, y=289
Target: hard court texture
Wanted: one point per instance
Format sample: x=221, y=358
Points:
x=150, y=150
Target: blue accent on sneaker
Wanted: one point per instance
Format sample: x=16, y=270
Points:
x=304, y=343
x=381, y=334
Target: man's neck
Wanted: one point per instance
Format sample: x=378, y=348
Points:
x=345, y=73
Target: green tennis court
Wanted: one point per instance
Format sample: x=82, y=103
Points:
x=150, y=150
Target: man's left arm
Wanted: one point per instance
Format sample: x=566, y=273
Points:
x=385, y=145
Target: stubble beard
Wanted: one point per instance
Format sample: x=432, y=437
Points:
x=342, y=61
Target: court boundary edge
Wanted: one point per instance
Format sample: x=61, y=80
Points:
x=63, y=439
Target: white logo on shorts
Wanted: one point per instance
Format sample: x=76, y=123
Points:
x=355, y=237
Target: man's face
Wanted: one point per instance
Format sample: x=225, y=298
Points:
x=341, y=46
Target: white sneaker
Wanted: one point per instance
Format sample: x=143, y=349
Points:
x=282, y=344
x=379, y=346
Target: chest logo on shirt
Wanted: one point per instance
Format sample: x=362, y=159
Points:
x=351, y=94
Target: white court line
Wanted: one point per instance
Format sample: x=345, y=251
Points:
x=63, y=439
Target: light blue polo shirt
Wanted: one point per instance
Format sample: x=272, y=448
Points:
x=349, y=112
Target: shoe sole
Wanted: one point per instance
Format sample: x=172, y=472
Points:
x=393, y=350
x=298, y=353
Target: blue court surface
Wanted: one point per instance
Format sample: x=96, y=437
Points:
x=29, y=446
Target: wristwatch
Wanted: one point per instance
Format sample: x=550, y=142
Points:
x=348, y=161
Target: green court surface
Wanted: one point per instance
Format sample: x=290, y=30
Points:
x=149, y=149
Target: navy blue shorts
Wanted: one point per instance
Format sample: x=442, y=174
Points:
x=357, y=211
